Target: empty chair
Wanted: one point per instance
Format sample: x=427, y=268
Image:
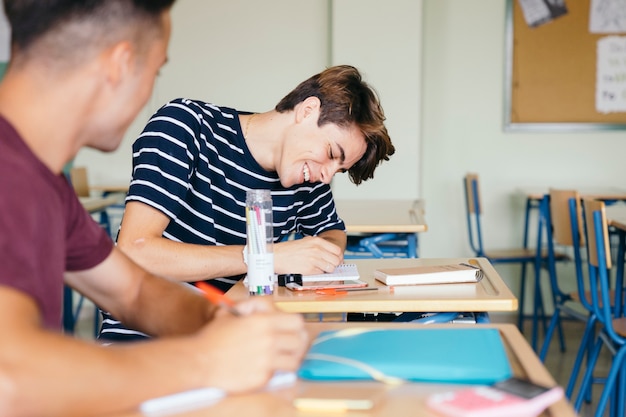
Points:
x=613, y=326
x=521, y=255
x=564, y=216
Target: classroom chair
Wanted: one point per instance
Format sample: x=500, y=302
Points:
x=612, y=333
x=565, y=217
x=522, y=255
x=562, y=209
x=554, y=208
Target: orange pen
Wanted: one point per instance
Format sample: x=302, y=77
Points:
x=330, y=291
x=217, y=297
x=342, y=291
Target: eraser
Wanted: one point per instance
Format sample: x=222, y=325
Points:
x=284, y=279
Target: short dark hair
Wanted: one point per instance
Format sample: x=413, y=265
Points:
x=32, y=20
x=345, y=99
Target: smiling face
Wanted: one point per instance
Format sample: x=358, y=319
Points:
x=311, y=153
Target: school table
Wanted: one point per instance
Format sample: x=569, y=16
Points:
x=533, y=196
x=93, y=205
x=379, y=225
x=98, y=204
x=489, y=294
x=111, y=188
x=398, y=401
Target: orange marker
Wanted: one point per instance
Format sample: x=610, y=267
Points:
x=217, y=297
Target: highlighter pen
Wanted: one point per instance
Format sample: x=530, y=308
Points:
x=217, y=297
x=181, y=402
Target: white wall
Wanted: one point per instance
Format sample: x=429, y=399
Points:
x=236, y=53
x=462, y=131
x=248, y=55
x=385, y=43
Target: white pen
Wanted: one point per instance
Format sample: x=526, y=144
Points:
x=181, y=402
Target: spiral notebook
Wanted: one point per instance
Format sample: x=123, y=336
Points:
x=343, y=272
x=461, y=355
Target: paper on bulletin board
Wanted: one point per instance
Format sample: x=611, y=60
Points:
x=538, y=12
x=611, y=74
x=607, y=16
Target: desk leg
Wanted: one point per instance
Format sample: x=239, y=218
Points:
x=619, y=274
x=530, y=205
x=68, y=309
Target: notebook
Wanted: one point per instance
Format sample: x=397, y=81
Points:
x=344, y=272
x=461, y=355
x=430, y=274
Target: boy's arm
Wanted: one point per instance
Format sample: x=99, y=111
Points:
x=45, y=373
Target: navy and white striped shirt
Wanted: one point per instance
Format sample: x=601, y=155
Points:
x=192, y=163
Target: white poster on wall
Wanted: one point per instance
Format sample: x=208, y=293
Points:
x=611, y=74
x=607, y=16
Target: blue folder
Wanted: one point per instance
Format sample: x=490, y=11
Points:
x=461, y=355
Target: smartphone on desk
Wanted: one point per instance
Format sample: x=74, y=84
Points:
x=326, y=285
x=513, y=397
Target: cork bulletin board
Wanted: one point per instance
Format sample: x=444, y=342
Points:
x=551, y=73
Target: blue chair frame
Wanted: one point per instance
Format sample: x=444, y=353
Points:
x=563, y=301
x=523, y=255
x=606, y=312
x=382, y=245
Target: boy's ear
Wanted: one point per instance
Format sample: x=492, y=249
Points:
x=118, y=61
x=308, y=107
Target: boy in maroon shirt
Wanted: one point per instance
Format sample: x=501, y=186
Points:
x=80, y=71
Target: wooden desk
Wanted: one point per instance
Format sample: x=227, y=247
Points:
x=382, y=228
x=98, y=204
x=110, y=188
x=533, y=196
x=490, y=294
x=597, y=193
x=400, y=401
x=382, y=216
x=93, y=205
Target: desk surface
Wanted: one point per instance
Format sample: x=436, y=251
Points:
x=382, y=216
x=399, y=401
x=598, y=193
x=96, y=204
x=490, y=294
x=110, y=188
x=616, y=216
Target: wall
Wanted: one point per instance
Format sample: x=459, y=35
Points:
x=390, y=58
x=248, y=55
x=462, y=123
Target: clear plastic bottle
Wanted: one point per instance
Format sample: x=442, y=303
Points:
x=260, y=242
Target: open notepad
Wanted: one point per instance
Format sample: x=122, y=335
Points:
x=343, y=272
x=429, y=274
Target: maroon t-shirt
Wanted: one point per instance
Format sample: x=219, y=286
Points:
x=44, y=230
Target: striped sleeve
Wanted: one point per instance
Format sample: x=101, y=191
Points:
x=163, y=159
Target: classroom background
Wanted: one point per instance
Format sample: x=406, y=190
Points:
x=439, y=68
